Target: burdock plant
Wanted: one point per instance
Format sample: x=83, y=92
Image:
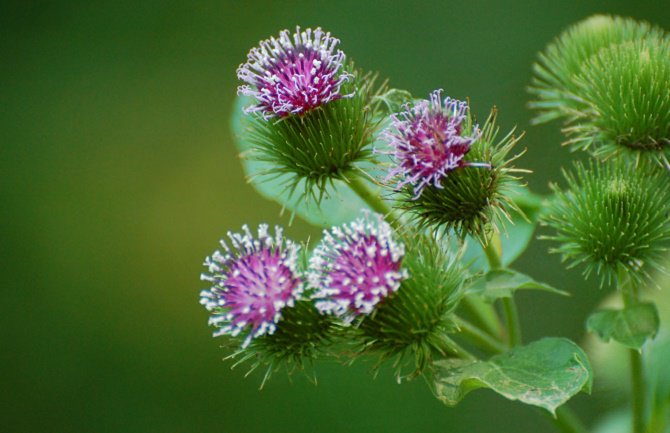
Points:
x=424, y=213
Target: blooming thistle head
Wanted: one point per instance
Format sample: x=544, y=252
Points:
x=436, y=183
x=429, y=141
x=312, y=117
x=252, y=280
x=355, y=267
x=294, y=73
x=613, y=217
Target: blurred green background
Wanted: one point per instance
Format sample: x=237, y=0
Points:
x=118, y=175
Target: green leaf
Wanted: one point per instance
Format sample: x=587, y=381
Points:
x=502, y=283
x=340, y=205
x=545, y=373
x=631, y=326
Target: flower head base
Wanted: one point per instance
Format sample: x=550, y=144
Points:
x=413, y=326
x=252, y=281
x=429, y=141
x=613, y=217
x=356, y=266
x=294, y=73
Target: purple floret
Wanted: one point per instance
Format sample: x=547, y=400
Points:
x=356, y=266
x=292, y=75
x=428, y=141
x=252, y=281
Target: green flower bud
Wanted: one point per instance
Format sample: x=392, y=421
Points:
x=412, y=324
x=612, y=217
x=627, y=89
x=563, y=59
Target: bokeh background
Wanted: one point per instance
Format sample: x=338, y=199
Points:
x=118, y=175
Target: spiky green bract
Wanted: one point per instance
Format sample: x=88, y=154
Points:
x=553, y=74
x=470, y=200
x=302, y=336
x=412, y=325
x=627, y=89
x=613, y=216
x=322, y=144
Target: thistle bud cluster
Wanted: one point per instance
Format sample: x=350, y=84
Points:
x=607, y=77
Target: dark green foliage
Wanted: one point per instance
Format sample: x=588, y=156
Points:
x=322, y=144
x=413, y=324
x=613, y=217
x=553, y=81
x=472, y=200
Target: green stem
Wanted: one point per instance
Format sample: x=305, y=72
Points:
x=479, y=337
x=492, y=255
x=371, y=198
x=509, y=306
x=457, y=350
x=512, y=319
x=567, y=421
x=483, y=314
x=630, y=298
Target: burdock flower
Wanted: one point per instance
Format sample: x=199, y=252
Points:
x=252, y=281
x=429, y=141
x=294, y=73
x=312, y=116
x=356, y=266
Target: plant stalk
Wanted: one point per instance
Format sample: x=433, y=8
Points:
x=638, y=398
x=372, y=198
x=479, y=337
x=510, y=311
x=484, y=315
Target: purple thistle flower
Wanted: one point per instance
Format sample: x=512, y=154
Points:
x=293, y=76
x=355, y=267
x=251, y=282
x=428, y=142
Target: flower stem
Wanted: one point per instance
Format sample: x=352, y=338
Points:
x=371, y=198
x=509, y=306
x=630, y=298
x=492, y=255
x=512, y=320
x=479, y=337
x=483, y=314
